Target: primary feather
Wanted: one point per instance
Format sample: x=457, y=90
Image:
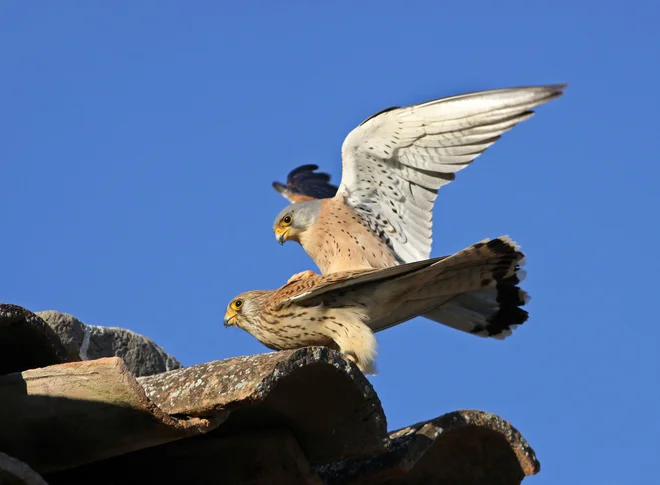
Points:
x=303, y=183
x=394, y=162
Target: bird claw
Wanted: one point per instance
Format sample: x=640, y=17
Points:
x=303, y=274
x=366, y=370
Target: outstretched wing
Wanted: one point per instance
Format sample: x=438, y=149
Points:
x=303, y=184
x=395, y=161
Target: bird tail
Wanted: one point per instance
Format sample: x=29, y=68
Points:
x=475, y=290
x=494, y=311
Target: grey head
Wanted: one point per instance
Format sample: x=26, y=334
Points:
x=295, y=219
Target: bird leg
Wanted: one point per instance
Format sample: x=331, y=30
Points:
x=368, y=369
x=303, y=274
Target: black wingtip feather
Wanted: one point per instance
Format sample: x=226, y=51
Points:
x=511, y=298
x=303, y=180
x=509, y=295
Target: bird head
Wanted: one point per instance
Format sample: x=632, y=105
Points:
x=295, y=219
x=244, y=310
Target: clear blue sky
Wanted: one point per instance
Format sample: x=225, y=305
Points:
x=140, y=139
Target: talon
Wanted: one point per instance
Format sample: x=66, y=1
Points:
x=369, y=369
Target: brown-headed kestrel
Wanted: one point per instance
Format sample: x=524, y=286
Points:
x=342, y=310
x=393, y=164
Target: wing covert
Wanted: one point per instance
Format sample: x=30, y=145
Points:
x=308, y=290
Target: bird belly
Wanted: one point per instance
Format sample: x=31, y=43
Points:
x=293, y=330
x=340, y=328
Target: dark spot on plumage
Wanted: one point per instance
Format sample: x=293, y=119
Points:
x=514, y=280
x=498, y=246
x=485, y=282
x=503, y=266
x=499, y=273
x=510, y=299
x=508, y=293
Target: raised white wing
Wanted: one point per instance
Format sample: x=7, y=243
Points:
x=394, y=163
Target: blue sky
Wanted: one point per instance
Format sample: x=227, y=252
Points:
x=140, y=140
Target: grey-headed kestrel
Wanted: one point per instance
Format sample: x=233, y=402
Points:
x=342, y=310
x=393, y=164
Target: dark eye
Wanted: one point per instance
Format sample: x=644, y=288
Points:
x=237, y=304
x=286, y=219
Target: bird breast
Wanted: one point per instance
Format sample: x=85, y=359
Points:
x=341, y=241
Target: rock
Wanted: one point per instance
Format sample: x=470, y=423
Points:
x=26, y=341
x=142, y=356
x=15, y=472
x=69, y=329
x=86, y=342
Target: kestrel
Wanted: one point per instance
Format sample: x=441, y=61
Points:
x=343, y=310
x=393, y=164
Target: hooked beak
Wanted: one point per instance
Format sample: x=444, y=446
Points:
x=281, y=235
x=230, y=318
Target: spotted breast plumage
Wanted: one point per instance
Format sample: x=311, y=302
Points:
x=342, y=310
x=393, y=165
